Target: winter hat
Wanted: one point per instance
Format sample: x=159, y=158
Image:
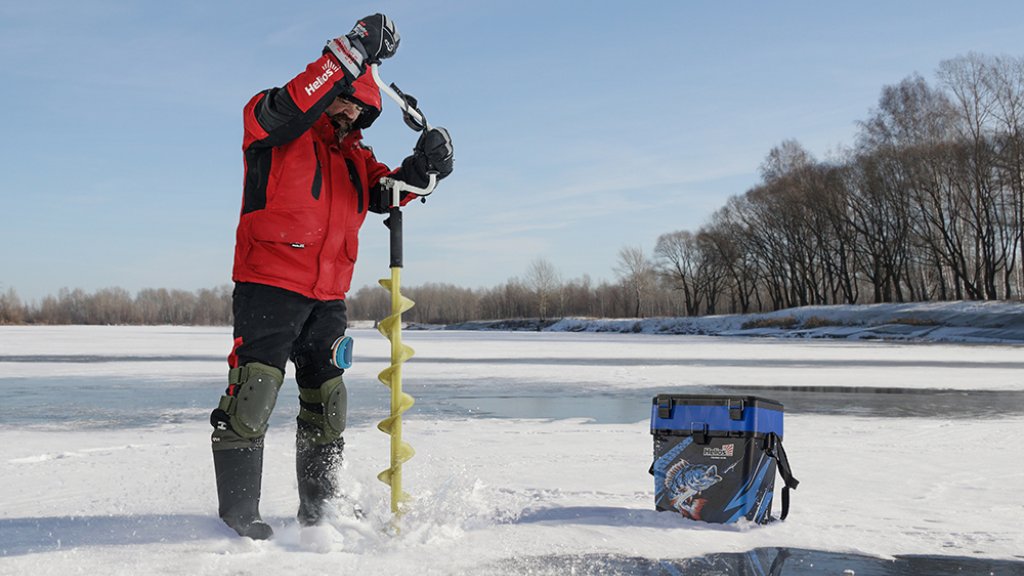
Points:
x=366, y=94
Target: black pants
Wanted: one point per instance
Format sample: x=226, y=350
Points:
x=273, y=325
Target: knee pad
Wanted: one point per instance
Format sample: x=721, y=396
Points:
x=251, y=396
x=323, y=410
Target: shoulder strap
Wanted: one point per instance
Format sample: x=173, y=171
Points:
x=773, y=447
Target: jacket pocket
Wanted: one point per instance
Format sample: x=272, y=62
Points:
x=283, y=261
x=352, y=245
x=346, y=261
x=286, y=244
x=296, y=227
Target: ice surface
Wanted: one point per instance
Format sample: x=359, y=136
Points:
x=496, y=495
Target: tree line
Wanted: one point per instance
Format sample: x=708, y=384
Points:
x=152, y=306
x=532, y=297
x=927, y=204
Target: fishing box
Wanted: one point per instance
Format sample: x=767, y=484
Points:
x=715, y=457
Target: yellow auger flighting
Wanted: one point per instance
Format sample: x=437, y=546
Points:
x=391, y=327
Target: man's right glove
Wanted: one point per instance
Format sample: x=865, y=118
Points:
x=434, y=152
x=376, y=37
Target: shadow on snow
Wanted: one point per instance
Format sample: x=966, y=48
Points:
x=19, y=536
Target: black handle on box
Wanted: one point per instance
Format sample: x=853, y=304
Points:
x=665, y=407
x=699, y=432
x=736, y=410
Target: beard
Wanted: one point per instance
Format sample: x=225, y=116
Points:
x=342, y=126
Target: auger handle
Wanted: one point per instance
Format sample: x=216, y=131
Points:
x=397, y=187
x=406, y=108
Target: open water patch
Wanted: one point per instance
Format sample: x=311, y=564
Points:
x=560, y=361
x=761, y=562
x=626, y=406
x=107, y=358
x=890, y=402
x=93, y=401
x=737, y=362
x=105, y=402
x=97, y=402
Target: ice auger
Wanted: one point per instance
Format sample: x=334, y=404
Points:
x=391, y=326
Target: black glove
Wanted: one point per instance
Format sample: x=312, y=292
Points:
x=375, y=37
x=434, y=152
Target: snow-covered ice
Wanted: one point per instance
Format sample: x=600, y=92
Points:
x=122, y=496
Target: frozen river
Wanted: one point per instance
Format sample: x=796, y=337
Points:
x=533, y=451
x=605, y=378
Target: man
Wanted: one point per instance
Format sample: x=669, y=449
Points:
x=309, y=182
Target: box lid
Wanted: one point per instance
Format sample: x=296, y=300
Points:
x=687, y=414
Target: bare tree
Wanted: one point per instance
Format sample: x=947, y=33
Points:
x=680, y=262
x=546, y=282
x=899, y=198
x=369, y=303
x=970, y=80
x=730, y=240
x=786, y=158
x=714, y=270
x=11, y=309
x=1006, y=82
x=441, y=303
x=578, y=297
x=510, y=300
x=637, y=275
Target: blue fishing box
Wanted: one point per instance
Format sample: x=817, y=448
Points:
x=715, y=457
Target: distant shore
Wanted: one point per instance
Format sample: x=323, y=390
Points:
x=981, y=322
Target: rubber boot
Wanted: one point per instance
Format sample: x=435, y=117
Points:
x=239, y=477
x=316, y=466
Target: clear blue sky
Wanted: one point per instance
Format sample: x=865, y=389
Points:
x=579, y=127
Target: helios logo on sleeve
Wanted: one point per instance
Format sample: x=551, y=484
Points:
x=329, y=69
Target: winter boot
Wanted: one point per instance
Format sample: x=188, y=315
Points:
x=316, y=466
x=239, y=477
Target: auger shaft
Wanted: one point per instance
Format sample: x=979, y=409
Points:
x=391, y=328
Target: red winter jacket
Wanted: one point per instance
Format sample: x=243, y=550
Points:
x=306, y=195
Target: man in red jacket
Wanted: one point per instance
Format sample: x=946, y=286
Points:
x=309, y=182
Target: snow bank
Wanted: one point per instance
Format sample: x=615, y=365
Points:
x=990, y=322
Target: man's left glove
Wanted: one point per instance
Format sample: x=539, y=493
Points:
x=371, y=39
x=377, y=36
x=434, y=152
